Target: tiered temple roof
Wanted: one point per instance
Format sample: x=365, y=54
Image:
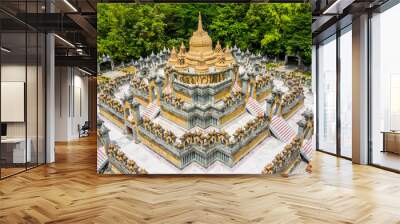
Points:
x=201, y=55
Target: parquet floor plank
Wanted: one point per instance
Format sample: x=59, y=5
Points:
x=70, y=191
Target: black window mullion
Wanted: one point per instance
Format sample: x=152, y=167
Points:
x=37, y=90
x=317, y=97
x=369, y=81
x=26, y=86
x=338, y=93
x=1, y=165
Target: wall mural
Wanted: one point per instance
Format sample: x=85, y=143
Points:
x=237, y=105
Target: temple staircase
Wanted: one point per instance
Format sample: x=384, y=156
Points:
x=253, y=107
x=281, y=129
x=102, y=159
x=307, y=148
x=151, y=111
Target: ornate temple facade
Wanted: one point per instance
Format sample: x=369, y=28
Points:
x=200, y=78
x=183, y=104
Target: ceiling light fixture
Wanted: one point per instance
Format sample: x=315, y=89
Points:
x=86, y=72
x=70, y=5
x=64, y=40
x=337, y=7
x=5, y=50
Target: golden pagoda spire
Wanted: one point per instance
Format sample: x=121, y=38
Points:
x=182, y=49
x=173, y=58
x=200, y=23
x=181, y=56
x=173, y=52
x=228, y=55
x=218, y=48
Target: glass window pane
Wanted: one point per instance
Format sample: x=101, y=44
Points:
x=41, y=99
x=13, y=87
x=346, y=92
x=31, y=97
x=385, y=84
x=23, y=81
x=327, y=95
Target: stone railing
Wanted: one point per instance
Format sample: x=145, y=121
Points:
x=278, y=74
x=140, y=88
x=141, y=94
x=119, y=160
x=102, y=81
x=156, y=130
x=103, y=141
x=160, y=141
x=249, y=131
x=306, y=125
x=291, y=100
x=106, y=89
x=118, y=113
x=106, y=100
x=296, y=79
x=285, y=158
x=173, y=100
x=223, y=150
x=287, y=106
x=202, y=94
x=263, y=83
x=172, y=108
x=279, y=104
x=232, y=100
x=202, y=115
x=115, y=105
x=121, y=80
x=116, y=157
x=205, y=148
x=204, y=140
x=103, y=137
x=109, y=86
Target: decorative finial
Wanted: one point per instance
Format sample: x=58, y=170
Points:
x=200, y=23
x=218, y=48
x=182, y=49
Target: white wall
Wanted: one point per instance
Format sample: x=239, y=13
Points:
x=12, y=73
x=61, y=103
x=33, y=126
x=71, y=102
x=16, y=73
x=80, y=104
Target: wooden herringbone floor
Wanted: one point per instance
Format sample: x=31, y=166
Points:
x=70, y=191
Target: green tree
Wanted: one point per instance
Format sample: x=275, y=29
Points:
x=127, y=31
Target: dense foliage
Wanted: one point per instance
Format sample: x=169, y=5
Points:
x=127, y=31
